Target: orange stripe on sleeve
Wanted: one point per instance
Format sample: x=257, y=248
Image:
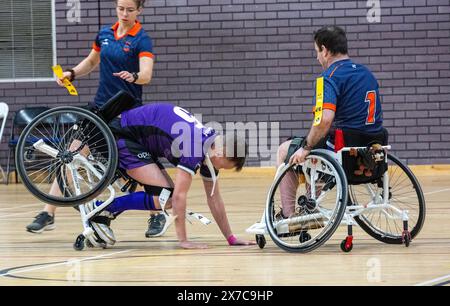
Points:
x=329, y=106
x=334, y=70
x=95, y=47
x=146, y=54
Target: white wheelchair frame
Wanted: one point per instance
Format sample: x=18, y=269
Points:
x=86, y=216
x=282, y=226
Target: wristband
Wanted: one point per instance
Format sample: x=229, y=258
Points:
x=305, y=146
x=135, y=77
x=72, y=74
x=232, y=239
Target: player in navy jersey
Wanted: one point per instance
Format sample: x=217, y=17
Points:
x=124, y=53
x=148, y=133
x=347, y=98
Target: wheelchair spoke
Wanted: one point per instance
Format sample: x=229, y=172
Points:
x=394, y=186
x=42, y=172
x=50, y=136
x=40, y=162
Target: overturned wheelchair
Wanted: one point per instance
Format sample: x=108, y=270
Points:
x=68, y=157
x=362, y=184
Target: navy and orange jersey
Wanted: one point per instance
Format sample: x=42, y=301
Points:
x=351, y=90
x=120, y=54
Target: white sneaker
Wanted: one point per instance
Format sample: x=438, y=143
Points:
x=101, y=224
x=158, y=225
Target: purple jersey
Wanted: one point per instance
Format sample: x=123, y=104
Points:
x=169, y=131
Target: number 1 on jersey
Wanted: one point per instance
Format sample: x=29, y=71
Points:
x=371, y=98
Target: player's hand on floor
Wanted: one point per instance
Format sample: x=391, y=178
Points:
x=234, y=241
x=193, y=245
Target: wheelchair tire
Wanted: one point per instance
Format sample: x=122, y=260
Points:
x=334, y=186
x=406, y=193
x=89, y=131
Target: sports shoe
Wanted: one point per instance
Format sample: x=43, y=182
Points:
x=100, y=224
x=157, y=225
x=42, y=222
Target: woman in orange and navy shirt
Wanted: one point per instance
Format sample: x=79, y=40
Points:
x=124, y=52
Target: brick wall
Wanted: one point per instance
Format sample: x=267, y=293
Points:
x=253, y=60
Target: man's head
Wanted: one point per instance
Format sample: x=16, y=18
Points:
x=229, y=152
x=330, y=43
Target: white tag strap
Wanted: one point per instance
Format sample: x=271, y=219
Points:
x=212, y=171
x=163, y=198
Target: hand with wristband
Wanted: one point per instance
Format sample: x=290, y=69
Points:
x=234, y=241
x=130, y=77
x=68, y=74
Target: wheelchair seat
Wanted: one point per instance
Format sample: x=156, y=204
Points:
x=353, y=138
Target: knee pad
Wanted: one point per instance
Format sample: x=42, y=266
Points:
x=164, y=193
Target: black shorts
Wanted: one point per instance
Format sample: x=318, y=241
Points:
x=132, y=154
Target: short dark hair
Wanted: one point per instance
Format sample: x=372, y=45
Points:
x=236, y=149
x=139, y=3
x=333, y=38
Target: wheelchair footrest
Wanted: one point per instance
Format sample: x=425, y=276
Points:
x=258, y=228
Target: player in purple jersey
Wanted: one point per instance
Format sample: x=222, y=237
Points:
x=347, y=98
x=148, y=133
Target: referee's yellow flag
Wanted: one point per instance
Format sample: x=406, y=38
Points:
x=69, y=86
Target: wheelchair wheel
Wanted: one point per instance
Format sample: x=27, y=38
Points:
x=404, y=194
x=318, y=192
x=66, y=156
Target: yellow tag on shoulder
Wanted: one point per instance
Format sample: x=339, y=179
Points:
x=69, y=86
x=319, y=102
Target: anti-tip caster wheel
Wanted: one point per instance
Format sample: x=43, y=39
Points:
x=406, y=237
x=261, y=241
x=79, y=243
x=304, y=237
x=346, y=246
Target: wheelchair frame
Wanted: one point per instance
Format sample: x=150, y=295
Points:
x=282, y=227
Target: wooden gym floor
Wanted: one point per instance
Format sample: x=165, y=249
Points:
x=49, y=259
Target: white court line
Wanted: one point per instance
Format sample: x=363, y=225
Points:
x=17, y=214
x=430, y=282
x=22, y=206
x=437, y=191
x=63, y=263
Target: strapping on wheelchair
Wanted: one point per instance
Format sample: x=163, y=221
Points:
x=365, y=161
